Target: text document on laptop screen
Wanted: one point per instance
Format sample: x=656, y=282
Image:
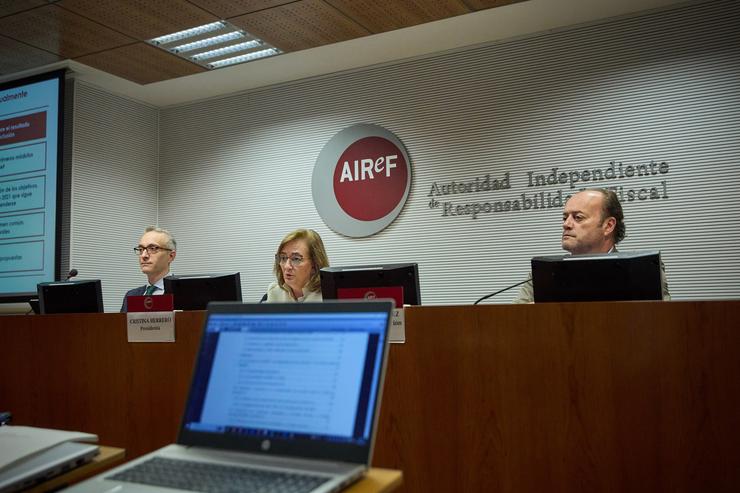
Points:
x=311, y=375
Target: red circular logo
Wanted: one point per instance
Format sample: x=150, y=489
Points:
x=361, y=180
x=370, y=178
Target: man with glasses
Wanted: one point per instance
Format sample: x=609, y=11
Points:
x=156, y=251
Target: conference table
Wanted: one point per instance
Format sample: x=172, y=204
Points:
x=547, y=397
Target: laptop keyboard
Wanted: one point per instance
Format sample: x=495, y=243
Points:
x=216, y=478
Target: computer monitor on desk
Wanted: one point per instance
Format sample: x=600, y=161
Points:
x=397, y=281
x=621, y=276
x=70, y=297
x=194, y=292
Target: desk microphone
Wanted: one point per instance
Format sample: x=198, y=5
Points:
x=71, y=274
x=501, y=291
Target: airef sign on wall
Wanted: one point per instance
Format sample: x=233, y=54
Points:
x=361, y=180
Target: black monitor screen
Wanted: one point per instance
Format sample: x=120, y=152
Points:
x=621, y=276
x=397, y=281
x=193, y=292
x=70, y=297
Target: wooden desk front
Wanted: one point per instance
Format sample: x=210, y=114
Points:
x=556, y=397
x=78, y=372
x=641, y=396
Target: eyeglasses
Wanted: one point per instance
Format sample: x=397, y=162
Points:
x=150, y=249
x=295, y=260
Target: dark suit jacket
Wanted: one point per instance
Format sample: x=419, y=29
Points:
x=133, y=292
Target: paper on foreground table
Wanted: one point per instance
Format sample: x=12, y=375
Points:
x=19, y=442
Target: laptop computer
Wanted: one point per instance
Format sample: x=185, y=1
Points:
x=44, y=465
x=290, y=392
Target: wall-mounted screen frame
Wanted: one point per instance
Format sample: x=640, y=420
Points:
x=31, y=138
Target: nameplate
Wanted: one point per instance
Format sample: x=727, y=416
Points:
x=372, y=293
x=156, y=303
x=150, y=326
x=397, y=333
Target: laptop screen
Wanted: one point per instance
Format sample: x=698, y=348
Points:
x=284, y=378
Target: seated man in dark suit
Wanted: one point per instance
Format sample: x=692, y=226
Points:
x=593, y=222
x=156, y=250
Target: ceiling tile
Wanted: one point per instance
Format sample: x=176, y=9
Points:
x=142, y=19
x=8, y=7
x=16, y=56
x=60, y=31
x=386, y=15
x=487, y=4
x=231, y=8
x=39, y=32
x=141, y=63
x=300, y=25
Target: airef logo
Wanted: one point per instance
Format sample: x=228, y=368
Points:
x=361, y=180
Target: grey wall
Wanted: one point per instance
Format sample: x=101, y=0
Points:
x=114, y=183
x=234, y=173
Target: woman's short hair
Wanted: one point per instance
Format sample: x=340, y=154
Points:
x=316, y=251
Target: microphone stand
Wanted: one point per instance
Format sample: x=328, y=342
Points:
x=501, y=291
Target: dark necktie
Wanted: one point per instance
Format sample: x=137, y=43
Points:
x=149, y=290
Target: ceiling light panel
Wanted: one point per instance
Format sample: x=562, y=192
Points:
x=187, y=33
x=244, y=58
x=228, y=50
x=205, y=43
x=215, y=45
